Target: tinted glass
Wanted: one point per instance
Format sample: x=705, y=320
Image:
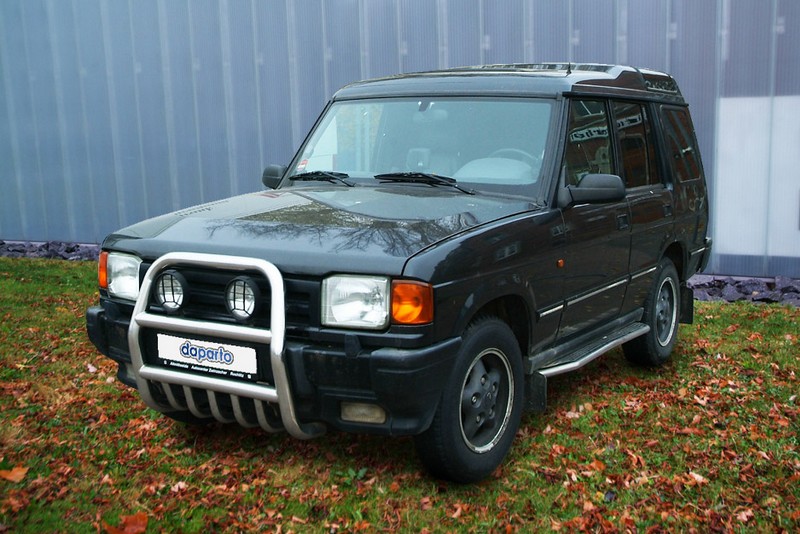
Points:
x=681, y=144
x=637, y=150
x=487, y=143
x=588, y=148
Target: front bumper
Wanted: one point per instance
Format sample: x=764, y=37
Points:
x=305, y=384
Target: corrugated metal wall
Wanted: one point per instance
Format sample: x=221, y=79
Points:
x=112, y=111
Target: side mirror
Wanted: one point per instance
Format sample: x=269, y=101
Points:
x=272, y=175
x=594, y=189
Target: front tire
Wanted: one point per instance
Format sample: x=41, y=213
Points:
x=480, y=409
x=661, y=313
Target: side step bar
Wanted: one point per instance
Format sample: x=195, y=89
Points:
x=536, y=383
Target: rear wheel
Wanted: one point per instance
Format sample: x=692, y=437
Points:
x=661, y=313
x=480, y=408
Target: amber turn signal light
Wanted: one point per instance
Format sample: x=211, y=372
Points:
x=412, y=302
x=102, y=270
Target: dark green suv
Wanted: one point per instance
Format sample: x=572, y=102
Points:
x=441, y=244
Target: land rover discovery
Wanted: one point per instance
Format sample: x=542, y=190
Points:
x=439, y=246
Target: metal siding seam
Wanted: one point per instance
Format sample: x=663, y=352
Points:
x=723, y=29
x=363, y=39
x=90, y=175
x=12, y=130
x=773, y=73
x=137, y=106
x=108, y=56
x=570, y=31
x=200, y=177
x=34, y=122
x=529, y=16
x=326, y=54
x=227, y=95
x=442, y=36
x=257, y=64
x=621, y=52
x=294, y=83
x=169, y=110
x=402, y=45
x=62, y=134
x=482, y=37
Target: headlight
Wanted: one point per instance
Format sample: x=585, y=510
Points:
x=121, y=275
x=355, y=301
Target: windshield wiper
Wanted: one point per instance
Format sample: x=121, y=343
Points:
x=422, y=178
x=323, y=176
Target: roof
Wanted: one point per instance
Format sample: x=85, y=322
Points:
x=543, y=79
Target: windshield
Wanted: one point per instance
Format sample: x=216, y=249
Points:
x=492, y=144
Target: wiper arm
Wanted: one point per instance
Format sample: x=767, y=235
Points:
x=323, y=176
x=422, y=178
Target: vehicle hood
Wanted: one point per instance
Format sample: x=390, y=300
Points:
x=316, y=231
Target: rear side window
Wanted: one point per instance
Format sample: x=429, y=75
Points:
x=636, y=146
x=682, y=152
x=588, y=149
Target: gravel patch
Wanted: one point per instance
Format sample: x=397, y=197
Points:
x=732, y=289
x=706, y=287
x=50, y=249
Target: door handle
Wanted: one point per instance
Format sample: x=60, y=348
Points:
x=622, y=221
x=667, y=210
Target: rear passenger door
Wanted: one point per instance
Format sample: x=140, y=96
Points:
x=649, y=195
x=686, y=174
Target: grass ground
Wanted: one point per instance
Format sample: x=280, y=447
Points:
x=709, y=441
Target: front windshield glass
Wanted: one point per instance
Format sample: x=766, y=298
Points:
x=492, y=144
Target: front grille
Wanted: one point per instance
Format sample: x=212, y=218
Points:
x=206, y=299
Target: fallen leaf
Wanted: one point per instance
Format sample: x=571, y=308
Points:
x=597, y=465
x=700, y=479
x=745, y=515
x=14, y=475
x=129, y=524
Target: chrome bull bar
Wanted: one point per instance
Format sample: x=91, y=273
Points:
x=279, y=394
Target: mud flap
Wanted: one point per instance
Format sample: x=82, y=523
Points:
x=536, y=392
x=687, y=305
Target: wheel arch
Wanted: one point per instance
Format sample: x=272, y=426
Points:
x=676, y=253
x=512, y=310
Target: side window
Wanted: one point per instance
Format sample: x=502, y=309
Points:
x=681, y=145
x=588, y=149
x=637, y=149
